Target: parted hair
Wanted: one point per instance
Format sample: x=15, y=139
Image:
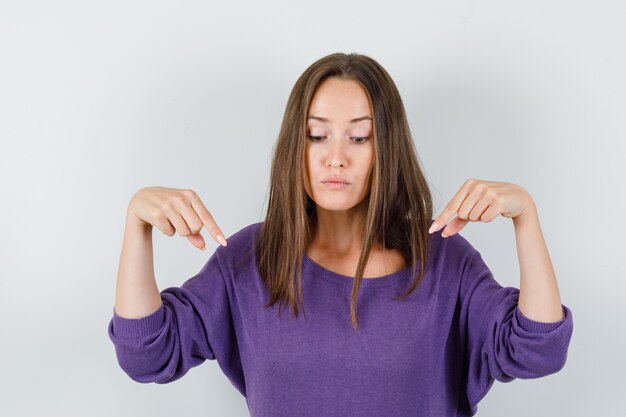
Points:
x=399, y=205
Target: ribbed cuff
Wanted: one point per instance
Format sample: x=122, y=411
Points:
x=538, y=326
x=140, y=327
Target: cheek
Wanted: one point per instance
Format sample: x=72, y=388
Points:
x=368, y=163
x=307, y=173
x=311, y=159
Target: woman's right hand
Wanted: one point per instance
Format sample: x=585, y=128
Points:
x=174, y=210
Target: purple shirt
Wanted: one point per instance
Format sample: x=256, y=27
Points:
x=436, y=353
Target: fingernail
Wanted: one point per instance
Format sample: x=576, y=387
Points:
x=221, y=239
x=433, y=227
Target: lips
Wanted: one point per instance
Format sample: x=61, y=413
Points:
x=336, y=178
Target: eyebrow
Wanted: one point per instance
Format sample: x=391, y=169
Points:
x=321, y=119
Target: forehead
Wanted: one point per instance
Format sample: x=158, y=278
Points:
x=339, y=101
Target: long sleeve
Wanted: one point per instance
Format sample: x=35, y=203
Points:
x=501, y=343
x=193, y=324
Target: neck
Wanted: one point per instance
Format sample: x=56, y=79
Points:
x=340, y=233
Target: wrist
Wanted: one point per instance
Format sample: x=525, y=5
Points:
x=529, y=215
x=135, y=222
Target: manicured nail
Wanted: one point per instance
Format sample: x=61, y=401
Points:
x=221, y=239
x=433, y=227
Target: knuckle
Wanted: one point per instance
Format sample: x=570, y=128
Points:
x=166, y=204
x=206, y=218
x=470, y=181
x=177, y=199
x=167, y=230
x=157, y=214
x=189, y=193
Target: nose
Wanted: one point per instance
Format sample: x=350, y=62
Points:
x=335, y=163
x=336, y=154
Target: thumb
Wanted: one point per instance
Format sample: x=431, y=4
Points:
x=197, y=240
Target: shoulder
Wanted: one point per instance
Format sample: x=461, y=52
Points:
x=453, y=263
x=239, y=247
x=244, y=236
x=452, y=252
x=456, y=245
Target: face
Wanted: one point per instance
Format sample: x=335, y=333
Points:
x=340, y=145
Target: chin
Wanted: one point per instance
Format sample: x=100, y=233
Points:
x=335, y=207
x=336, y=204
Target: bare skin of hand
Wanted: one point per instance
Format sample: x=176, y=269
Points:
x=479, y=200
x=173, y=210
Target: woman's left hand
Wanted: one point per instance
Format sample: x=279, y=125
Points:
x=482, y=200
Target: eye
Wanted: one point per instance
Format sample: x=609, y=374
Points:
x=358, y=139
x=364, y=139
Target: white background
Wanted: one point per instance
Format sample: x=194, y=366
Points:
x=99, y=99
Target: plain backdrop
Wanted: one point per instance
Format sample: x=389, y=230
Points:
x=99, y=99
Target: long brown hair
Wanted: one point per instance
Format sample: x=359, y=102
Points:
x=400, y=203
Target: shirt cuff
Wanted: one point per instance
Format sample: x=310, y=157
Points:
x=539, y=326
x=139, y=327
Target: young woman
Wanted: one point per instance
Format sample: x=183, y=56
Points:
x=349, y=218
